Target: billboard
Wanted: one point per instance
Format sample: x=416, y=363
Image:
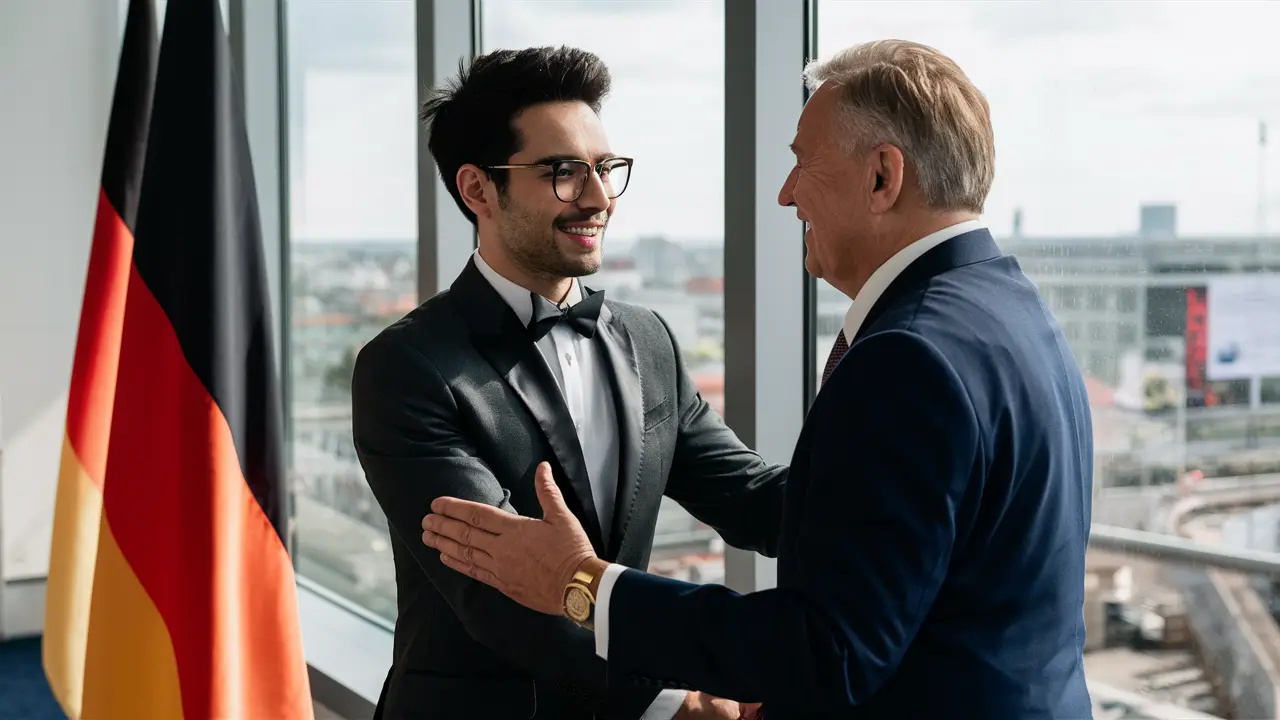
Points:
x=1197, y=317
x=1243, y=338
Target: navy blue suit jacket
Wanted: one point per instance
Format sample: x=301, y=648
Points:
x=936, y=517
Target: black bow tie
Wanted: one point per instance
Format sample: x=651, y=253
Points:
x=581, y=316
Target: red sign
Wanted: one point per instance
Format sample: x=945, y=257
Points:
x=1197, y=336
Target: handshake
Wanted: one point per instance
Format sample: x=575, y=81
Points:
x=702, y=705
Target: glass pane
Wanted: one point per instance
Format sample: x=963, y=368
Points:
x=1133, y=184
x=352, y=102
x=665, y=248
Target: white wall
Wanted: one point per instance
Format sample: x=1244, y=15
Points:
x=57, y=71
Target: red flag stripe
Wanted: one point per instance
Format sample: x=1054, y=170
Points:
x=193, y=533
x=78, y=507
x=93, y=377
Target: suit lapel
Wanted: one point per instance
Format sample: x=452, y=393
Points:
x=536, y=387
x=509, y=348
x=629, y=401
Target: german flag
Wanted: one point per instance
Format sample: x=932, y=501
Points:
x=171, y=593
x=78, y=506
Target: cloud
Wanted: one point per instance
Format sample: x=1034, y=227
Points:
x=1098, y=106
x=342, y=34
x=1256, y=94
x=1018, y=23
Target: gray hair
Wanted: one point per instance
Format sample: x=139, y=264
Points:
x=915, y=98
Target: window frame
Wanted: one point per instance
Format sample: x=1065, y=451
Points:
x=769, y=357
x=771, y=360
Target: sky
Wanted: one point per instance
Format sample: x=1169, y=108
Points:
x=1098, y=107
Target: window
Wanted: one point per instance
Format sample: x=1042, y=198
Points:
x=1127, y=333
x=1270, y=390
x=1070, y=297
x=665, y=246
x=1097, y=298
x=1068, y=90
x=1127, y=300
x=352, y=117
x=1104, y=125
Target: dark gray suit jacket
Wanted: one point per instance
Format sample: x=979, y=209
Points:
x=456, y=399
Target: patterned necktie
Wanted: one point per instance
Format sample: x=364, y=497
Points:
x=581, y=316
x=837, y=352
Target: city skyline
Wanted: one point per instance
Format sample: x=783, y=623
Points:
x=1097, y=110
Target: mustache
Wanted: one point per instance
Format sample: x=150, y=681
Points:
x=601, y=218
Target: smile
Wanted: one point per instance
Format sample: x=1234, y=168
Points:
x=586, y=230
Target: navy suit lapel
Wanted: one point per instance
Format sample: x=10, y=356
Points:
x=965, y=249
x=509, y=348
x=628, y=399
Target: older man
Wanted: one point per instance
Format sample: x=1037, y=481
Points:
x=938, y=507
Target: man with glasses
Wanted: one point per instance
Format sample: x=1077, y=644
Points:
x=938, y=504
x=520, y=363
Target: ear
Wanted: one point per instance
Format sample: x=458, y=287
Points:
x=888, y=173
x=477, y=190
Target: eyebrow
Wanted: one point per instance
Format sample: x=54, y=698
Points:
x=548, y=159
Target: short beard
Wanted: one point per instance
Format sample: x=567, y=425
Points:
x=533, y=246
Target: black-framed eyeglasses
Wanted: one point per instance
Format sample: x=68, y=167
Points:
x=569, y=177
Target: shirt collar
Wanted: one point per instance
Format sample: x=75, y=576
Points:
x=517, y=297
x=892, y=268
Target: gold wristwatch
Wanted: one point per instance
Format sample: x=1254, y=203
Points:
x=579, y=601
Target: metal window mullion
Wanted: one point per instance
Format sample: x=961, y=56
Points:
x=447, y=32
x=765, y=46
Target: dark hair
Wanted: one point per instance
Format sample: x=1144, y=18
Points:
x=470, y=119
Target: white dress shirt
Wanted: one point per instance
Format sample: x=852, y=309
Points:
x=884, y=275
x=584, y=380
x=853, y=319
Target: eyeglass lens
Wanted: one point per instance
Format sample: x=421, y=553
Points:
x=571, y=178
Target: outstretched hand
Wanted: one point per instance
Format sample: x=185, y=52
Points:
x=530, y=561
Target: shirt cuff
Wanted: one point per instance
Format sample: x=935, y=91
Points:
x=607, y=580
x=665, y=706
x=668, y=702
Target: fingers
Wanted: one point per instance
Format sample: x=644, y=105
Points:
x=472, y=571
x=479, y=515
x=467, y=554
x=459, y=532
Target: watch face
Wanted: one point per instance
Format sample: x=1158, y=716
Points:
x=577, y=604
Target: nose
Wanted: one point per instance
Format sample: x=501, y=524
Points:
x=786, y=197
x=594, y=197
